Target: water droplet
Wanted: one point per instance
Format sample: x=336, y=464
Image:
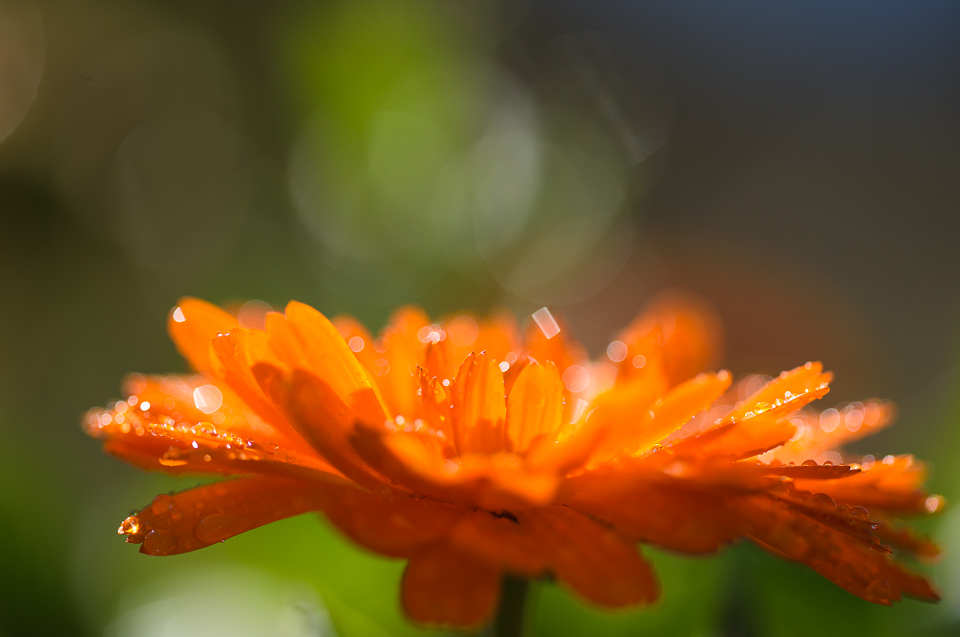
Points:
x=161, y=504
x=880, y=589
x=809, y=463
x=160, y=543
x=176, y=514
x=218, y=527
x=130, y=526
x=858, y=513
x=822, y=499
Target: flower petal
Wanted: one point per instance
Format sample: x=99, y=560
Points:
x=395, y=525
x=687, y=331
x=645, y=505
x=891, y=486
x=869, y=574
x=479, y=406
x=594, y=561
x=193, y=324
x=166, y=430
x=681, y=404
x=195, y=518
x=534, y=406
x=325, y=421
x=443, y=586
x=397, y=364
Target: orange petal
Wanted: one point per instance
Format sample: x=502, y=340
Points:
x=326, y=423
x=165, y=430
x=893, y=486
x=534, y=406
x=193, y=324
x=688, y=335
x=500, y=540
x=594, y=561
x=744, y=439
x=646, y=506
x=331, y=360
x=869, y=574
x=396, y=526
x=681, y=404
x=618, y=415
x=192, y=519
x=397, y=365
x=443, y=586
x=907, y=539
x=419, y=461
x=498, y=336
x=233, y=355
x=855, y=421
x=785, y=394
x=479, y=406
x=351, y=329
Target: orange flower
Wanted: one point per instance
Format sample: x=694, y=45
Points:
x=474, y=451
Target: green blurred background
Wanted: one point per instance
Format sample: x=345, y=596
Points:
x=796, y=164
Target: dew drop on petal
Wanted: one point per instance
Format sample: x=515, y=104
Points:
x=176, y=514
x=356, y=344
x=639, y=361
x=130, y=526
x=504, y=366
x=160, y=542
x=868, y=462
x=880, y=589
x=889, y=460
x=162, y=503
x=858, y=513
x=822, y=499
x=178, y=315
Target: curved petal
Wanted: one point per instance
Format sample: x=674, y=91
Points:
x=869, y=574
x=397, y=364
x=416, y=460
x=594, y=561
x=856, y=421
x=443, y=586
x=195, y=518
x=891, y=486
x=479, y=406
x=534, y=406
x=391, y=525
x=162, y=427
x=688, y=336
x=645, y=505
x=679, y=405
x=193, y=324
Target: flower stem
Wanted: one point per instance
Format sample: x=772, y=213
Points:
x=511, y=619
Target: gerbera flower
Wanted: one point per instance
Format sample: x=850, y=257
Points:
x=476, y=451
